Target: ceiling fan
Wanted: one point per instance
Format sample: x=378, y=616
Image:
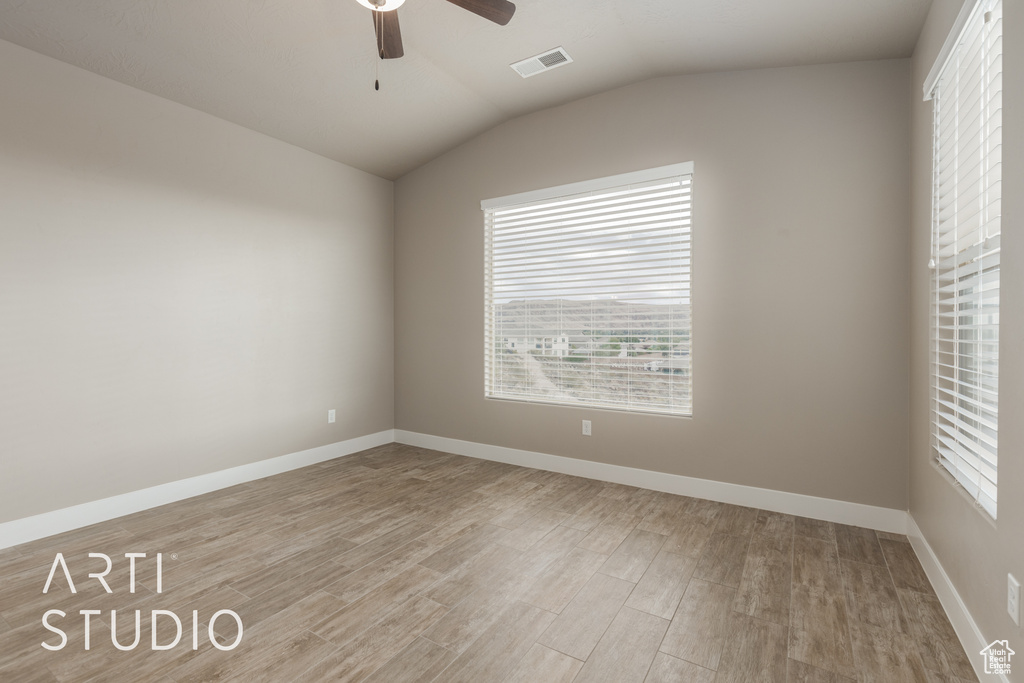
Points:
x=389, y=35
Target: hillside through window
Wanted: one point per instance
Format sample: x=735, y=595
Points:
x=587, y=293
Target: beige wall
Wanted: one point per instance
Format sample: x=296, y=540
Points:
x=178, y=295
x=800, y=288
x=975, y=553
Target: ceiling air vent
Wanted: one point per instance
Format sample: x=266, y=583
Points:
x=545, y=61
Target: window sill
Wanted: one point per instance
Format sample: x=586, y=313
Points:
x=962, y=492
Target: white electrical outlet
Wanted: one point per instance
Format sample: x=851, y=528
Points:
x=1013, y=598
x=586, y=428
x=330, y=417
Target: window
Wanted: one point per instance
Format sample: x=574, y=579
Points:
x=587, y=293
x=966, y=92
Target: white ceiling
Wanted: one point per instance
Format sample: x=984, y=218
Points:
x=302, y=71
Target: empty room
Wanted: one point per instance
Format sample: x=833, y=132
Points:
x=515, y=342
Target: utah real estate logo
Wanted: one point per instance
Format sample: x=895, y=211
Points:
x=997, y=657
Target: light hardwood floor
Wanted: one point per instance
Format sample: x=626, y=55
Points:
x=401, y=564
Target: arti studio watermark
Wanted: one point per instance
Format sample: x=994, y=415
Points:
x=53, y=619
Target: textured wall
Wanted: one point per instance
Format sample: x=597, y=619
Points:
x=178, y=295
x=975, y=553
x=800, y=290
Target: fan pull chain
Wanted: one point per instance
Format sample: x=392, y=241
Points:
x=376, y=62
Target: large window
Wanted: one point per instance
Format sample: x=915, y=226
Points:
x=966, y=92
x=587, y=293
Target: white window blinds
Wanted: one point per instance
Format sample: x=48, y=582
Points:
x=967, y=105
x=587, y=293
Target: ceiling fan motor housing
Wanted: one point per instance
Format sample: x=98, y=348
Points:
x=389, y=34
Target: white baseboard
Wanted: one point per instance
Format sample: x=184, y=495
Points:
x=963, y=623
x=855, y=514
x=77, y=516
x=58, y=521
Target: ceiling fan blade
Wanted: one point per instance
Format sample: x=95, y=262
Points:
x=498, y=11
x=389, y=35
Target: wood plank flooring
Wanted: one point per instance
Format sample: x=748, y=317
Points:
x=401, y=564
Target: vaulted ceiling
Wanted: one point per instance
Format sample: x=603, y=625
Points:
x=303, y=71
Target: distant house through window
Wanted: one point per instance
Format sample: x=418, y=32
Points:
x=587, y=293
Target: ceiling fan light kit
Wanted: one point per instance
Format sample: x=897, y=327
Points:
x=381, y=5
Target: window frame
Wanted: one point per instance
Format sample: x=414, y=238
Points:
x=965, y=281
x=597, y=185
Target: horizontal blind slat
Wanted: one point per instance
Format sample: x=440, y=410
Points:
x=587, y=298
x=967, y=166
